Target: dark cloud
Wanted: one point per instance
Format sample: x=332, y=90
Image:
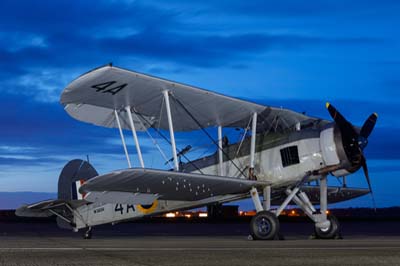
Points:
x=211, y=50
x=96, y=33
x=292, y=8
x=81, y=17
x=22, y=162
x=187, y=49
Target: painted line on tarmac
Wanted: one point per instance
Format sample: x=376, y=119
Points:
x=192, y=249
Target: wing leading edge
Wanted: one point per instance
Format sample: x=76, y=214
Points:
x=168, y=185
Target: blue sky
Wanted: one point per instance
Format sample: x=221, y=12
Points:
x=293, y=54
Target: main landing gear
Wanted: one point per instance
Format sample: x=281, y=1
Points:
x=331, y=232
x=265, y=224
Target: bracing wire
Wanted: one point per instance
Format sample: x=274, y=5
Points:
x=207, y=134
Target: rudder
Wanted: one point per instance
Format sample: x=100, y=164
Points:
x=72, y=176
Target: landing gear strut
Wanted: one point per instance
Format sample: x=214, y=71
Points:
x=265, y=224
x=88, y=233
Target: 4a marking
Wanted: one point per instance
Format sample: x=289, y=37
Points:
x=120, y=208
x=109, y=87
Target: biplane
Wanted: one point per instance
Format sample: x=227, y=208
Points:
x=284, y=158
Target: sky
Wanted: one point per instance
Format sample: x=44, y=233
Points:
x=294, y=54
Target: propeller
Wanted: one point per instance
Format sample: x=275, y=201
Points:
x=354, y=142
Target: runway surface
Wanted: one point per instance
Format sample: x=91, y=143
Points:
x=44, y=244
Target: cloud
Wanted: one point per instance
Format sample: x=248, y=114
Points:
x=285, y=9
x=58, y=35
x=213, y=50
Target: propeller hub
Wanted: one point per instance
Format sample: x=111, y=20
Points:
x=362, y=142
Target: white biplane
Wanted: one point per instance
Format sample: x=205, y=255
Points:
x=283, y=152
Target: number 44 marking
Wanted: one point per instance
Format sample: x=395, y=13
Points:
x=107, y=87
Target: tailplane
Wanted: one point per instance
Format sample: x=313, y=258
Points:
x=73, y=175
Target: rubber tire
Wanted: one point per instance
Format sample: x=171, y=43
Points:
x=332, y=232
x=264, y=226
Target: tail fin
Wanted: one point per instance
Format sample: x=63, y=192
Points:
x=72, y=176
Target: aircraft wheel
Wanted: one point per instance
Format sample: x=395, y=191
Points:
x=88, y=233
x=329, y=233
x=264, y=226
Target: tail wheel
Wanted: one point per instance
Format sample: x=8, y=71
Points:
x=264, y=226
x=88, y=233
x=331, y=232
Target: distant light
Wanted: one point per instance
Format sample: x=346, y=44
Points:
x=250, y=213
x=188, y=216
x=203, y=214
x=170, y=215
x=327, y=212
x=293, y=212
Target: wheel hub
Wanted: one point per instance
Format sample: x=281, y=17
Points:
x=263, y=225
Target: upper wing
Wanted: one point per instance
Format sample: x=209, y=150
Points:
x=169, y=185
x=94, y=96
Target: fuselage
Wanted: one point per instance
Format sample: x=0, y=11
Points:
x=280, y=158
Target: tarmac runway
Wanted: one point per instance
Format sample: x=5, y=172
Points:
x=44, y=244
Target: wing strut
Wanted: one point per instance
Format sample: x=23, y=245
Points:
x=122, y=138
x=253, y=145
x=128, y=110
x=220, y=155
x=171, y=129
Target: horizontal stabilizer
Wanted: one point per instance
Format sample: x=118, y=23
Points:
x=42, y=208
x=25, y=211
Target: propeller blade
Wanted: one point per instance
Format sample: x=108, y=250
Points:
x=365, y=168
x=344, y=125
x=369, y=125
x=338, y=117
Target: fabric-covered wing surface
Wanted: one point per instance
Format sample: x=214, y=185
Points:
x=169, y=185
x=93, y=97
